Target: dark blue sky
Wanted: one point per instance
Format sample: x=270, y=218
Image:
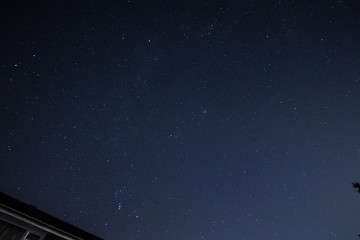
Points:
x=182, y=120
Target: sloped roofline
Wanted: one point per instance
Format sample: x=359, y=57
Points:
x=30, y=214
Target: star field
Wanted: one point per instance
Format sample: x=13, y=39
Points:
x=184, y=119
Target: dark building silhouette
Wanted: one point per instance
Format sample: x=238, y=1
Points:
x=21, y=221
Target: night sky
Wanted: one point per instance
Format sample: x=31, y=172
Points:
x=184, y=120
